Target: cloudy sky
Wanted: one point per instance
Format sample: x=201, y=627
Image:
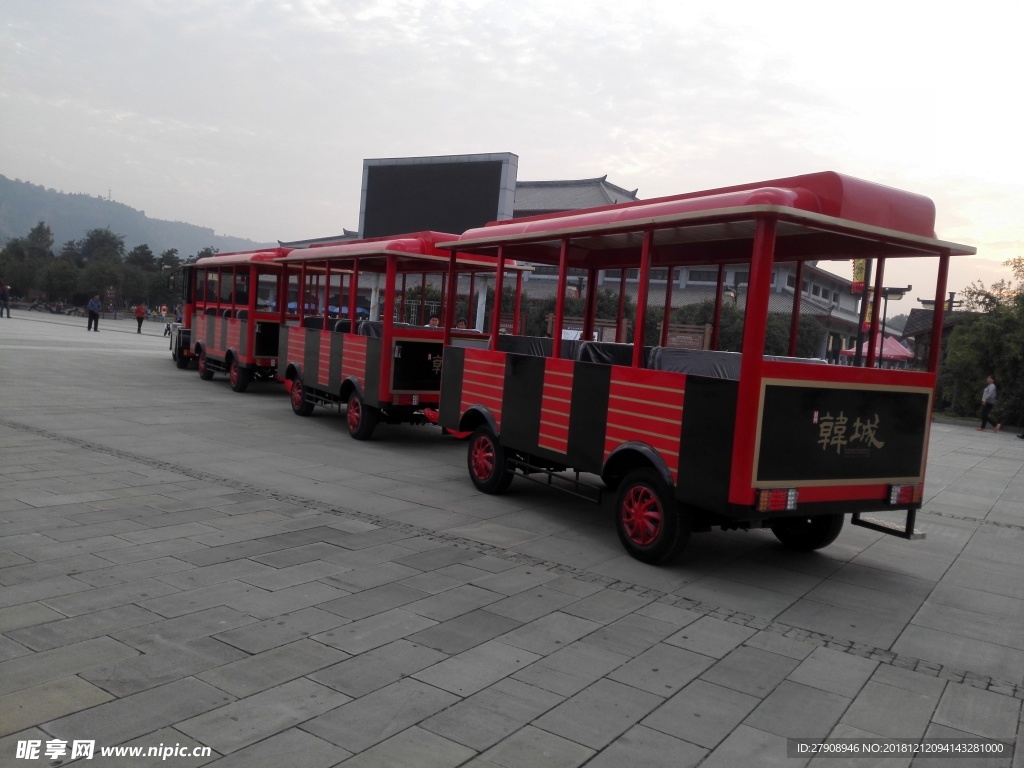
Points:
x=253, y=116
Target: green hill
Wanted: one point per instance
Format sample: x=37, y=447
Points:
x=69, y=217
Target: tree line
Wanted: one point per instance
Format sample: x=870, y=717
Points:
x=86, y=267
x=988, y=341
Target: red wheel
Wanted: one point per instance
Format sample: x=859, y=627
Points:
x=238, y=376
x=488, y=467
x=300, y=405
x=205, y=372
x=650, y=524
x=362, y=418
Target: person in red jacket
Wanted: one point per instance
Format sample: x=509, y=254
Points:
x=140, y=315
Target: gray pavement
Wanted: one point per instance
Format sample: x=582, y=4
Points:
x=183, y=565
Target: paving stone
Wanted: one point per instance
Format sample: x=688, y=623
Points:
x=532, y=604
x=571, y=669
x=26, y=615
x=281, y=630
x=163, y=663
x=293, y=748
x=9, y=649
x=46, y=666
x=751, y=671
x=413, y=748
x=374, y=669
x=306, y=553
x=377, y=716
x=194, y=600
x=477, y=668
x=662, y=670
x=780, y=644
x=87, y=626
x=440, y=557
x=68, y=566
x=118, y=721
x=205, y=576
x=794, y=708
x=111, y=597
x=979, y=712
x=360, y=636
x=359, y=579
x=279, y=665
x=607, y=606
x=890, y=711
x=45, y=591
x=597, y=715
x=640, y=746
x=748, y=746
x=264, y=605
x=452, y=602
x=702, y=713
x=372, y=601
x=549, y=633
x=464, y=632
x=533, y=747
x=159, y=741
x=487, y=717
x=181, y=629
x=515, y=580
x=282, y=578
x=834, y=671
x=711, y=637
x=631, y=635
x=246, y=721
x=29, y=706
x=145, y=569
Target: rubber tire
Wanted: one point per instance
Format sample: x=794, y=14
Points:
x=205, y=372
x=807, y=533
x=300, y=405
x=651, y=525
x=238, y=376
x=180, y=361
x=360, y=417
x=487, y=462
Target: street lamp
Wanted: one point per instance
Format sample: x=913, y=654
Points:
x=895, y=294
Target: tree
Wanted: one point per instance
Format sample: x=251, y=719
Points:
x=39, y=242
x=141, y=256
x=98, y=276
x=101, y=245
x=169, y=259
x=59, y=280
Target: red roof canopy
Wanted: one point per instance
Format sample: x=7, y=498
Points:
x=890, y=350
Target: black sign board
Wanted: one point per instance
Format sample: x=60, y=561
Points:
x=814, y=434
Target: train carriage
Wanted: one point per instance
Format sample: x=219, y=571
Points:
x=690, y=439
x=359, y=335
x=236, y=315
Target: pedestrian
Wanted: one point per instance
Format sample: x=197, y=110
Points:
x=988, y=402
x=5, y=300
x=434, y=322
x=94, y=306
x=140, y=315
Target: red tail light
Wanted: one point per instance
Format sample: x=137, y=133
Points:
x=776, y=499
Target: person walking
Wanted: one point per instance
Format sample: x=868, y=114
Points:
x=140, y=315
x=94, y=306
x=988, y=402
x=5, y=300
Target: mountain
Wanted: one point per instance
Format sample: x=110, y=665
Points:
x=69, y=217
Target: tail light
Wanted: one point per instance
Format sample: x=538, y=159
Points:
x=776, y=499
x=905, y=494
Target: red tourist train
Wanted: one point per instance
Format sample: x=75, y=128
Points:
x=380, y=356
x=687, y=439
x=690, y=439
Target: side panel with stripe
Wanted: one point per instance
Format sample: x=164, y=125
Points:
x=521, y=401
x=646, y=406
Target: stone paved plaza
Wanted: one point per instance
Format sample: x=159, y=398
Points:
x=184, y=565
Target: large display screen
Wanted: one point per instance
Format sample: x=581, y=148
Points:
x=444, y=194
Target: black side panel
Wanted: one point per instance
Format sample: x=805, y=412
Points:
x=223, y=344
x=451, y=387
x=208, y=336
x=520, y=405
x=371, y=387
x=311, y=358
x=337, y=345
x=266, y=336
x=416, y=366
x=587, y=422
x=709, y=421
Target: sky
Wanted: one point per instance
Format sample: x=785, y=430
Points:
x=253, y=117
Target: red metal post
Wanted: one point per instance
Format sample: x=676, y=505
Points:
x=718, y=306
x=794, y=320
x=640, y=324
x=668, y=309
x=499, y=287
x=876, y=305
x=938, y=314
x=563, y=275
x=591, y=305
x=620, y=330
x=452, y=297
